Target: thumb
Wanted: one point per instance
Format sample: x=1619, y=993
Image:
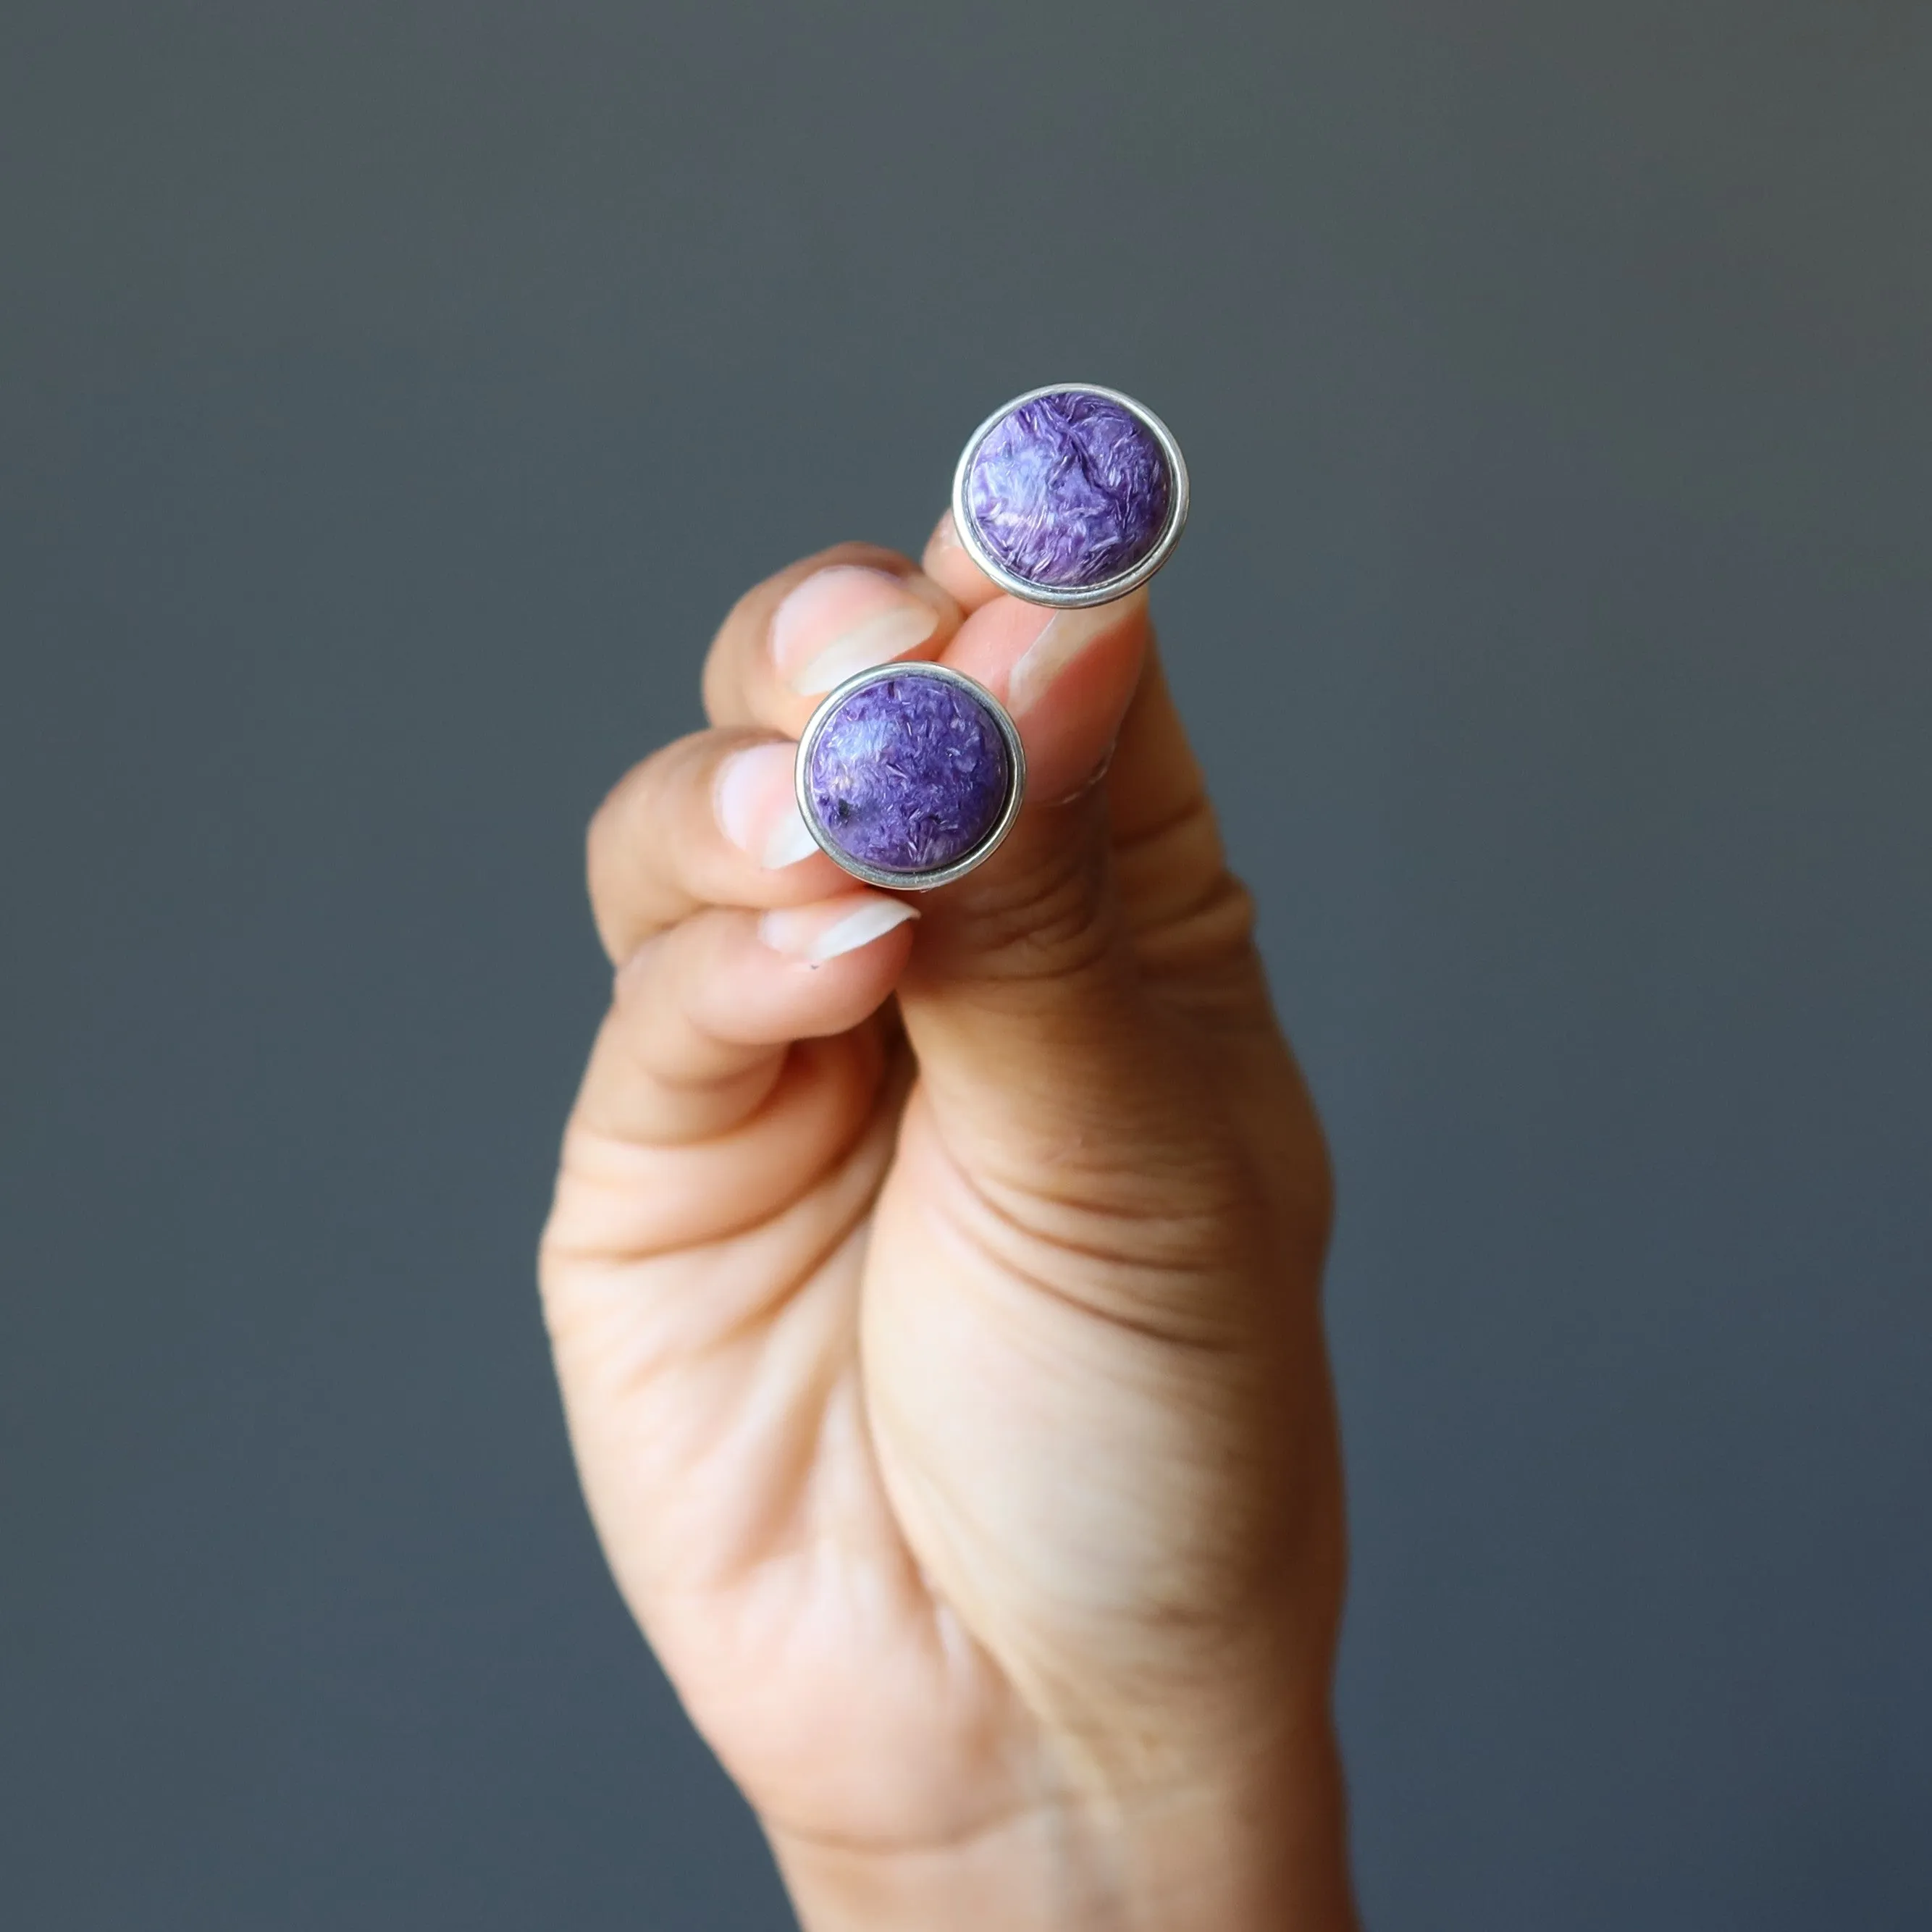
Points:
x=1036, y=1041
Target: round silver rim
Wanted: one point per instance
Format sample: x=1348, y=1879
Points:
x=937, y=875
x=1074, y=596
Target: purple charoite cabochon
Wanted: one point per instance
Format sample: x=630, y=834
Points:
x=909, y=774
x=1070, y=490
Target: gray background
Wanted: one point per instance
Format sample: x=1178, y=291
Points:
x=392, y=397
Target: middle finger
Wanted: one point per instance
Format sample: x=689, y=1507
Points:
x=711, y=820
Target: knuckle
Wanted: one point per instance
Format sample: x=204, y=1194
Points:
x=622, y=885
x=1047, y=914
x=1187, y=913
x=613, y=823
x=604, y=828
x=642, y=793
x=1212, y=924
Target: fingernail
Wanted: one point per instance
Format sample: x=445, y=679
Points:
x=1065, y=635
x=758, y=808
x=945, y=535
x=817, y=933
x=844, y=619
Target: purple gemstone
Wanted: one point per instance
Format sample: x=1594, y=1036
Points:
x=909, y=773
x=1070, y=490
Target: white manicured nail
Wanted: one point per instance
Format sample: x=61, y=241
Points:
x=757, y=808
x=790, y=840
x=844, y=619
x=1066, y=633
x=812, y=934
x=876, y=639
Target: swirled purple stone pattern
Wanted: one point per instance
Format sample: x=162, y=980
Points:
x=1068, y=489
x=909, y=774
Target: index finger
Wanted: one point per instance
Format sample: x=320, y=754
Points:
x=788, y=641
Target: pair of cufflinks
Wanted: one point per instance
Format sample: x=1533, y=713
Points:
x=909, y=775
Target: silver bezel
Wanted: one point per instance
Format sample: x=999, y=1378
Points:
x=1073, y=598
x=880, y=875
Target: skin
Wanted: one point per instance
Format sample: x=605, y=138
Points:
x=937, y=1322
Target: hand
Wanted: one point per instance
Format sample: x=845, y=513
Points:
x=933, y=1287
